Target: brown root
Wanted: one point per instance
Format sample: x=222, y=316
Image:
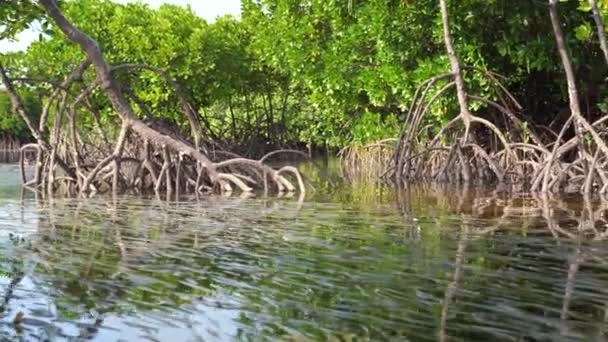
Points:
x=145, y=157
x=515, y=155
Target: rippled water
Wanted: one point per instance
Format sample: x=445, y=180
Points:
x=348, y=264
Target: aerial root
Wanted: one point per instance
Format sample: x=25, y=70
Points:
x=145, y=157
x=367, y=162
x=523, y=158
x=156, y=169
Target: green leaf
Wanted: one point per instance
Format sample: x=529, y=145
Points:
x=583, y=32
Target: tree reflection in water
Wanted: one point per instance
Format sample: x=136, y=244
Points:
x=444, y=263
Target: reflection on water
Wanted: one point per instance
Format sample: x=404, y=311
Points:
x=420, y=264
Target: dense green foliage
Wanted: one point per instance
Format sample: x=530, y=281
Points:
x=16, y=16
x=323, y=73
x=11, y=124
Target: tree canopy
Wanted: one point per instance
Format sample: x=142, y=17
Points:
x=327, y=74
x=324, y=73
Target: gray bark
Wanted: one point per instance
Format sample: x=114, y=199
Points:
x=111, y=88
x=599, y=23
x=575, y=108
x=455, y=67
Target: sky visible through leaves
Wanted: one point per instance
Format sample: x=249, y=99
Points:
x=207, y=9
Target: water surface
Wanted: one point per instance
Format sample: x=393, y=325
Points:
x=346, y=263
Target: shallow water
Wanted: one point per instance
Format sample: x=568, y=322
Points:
x=346, y=263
